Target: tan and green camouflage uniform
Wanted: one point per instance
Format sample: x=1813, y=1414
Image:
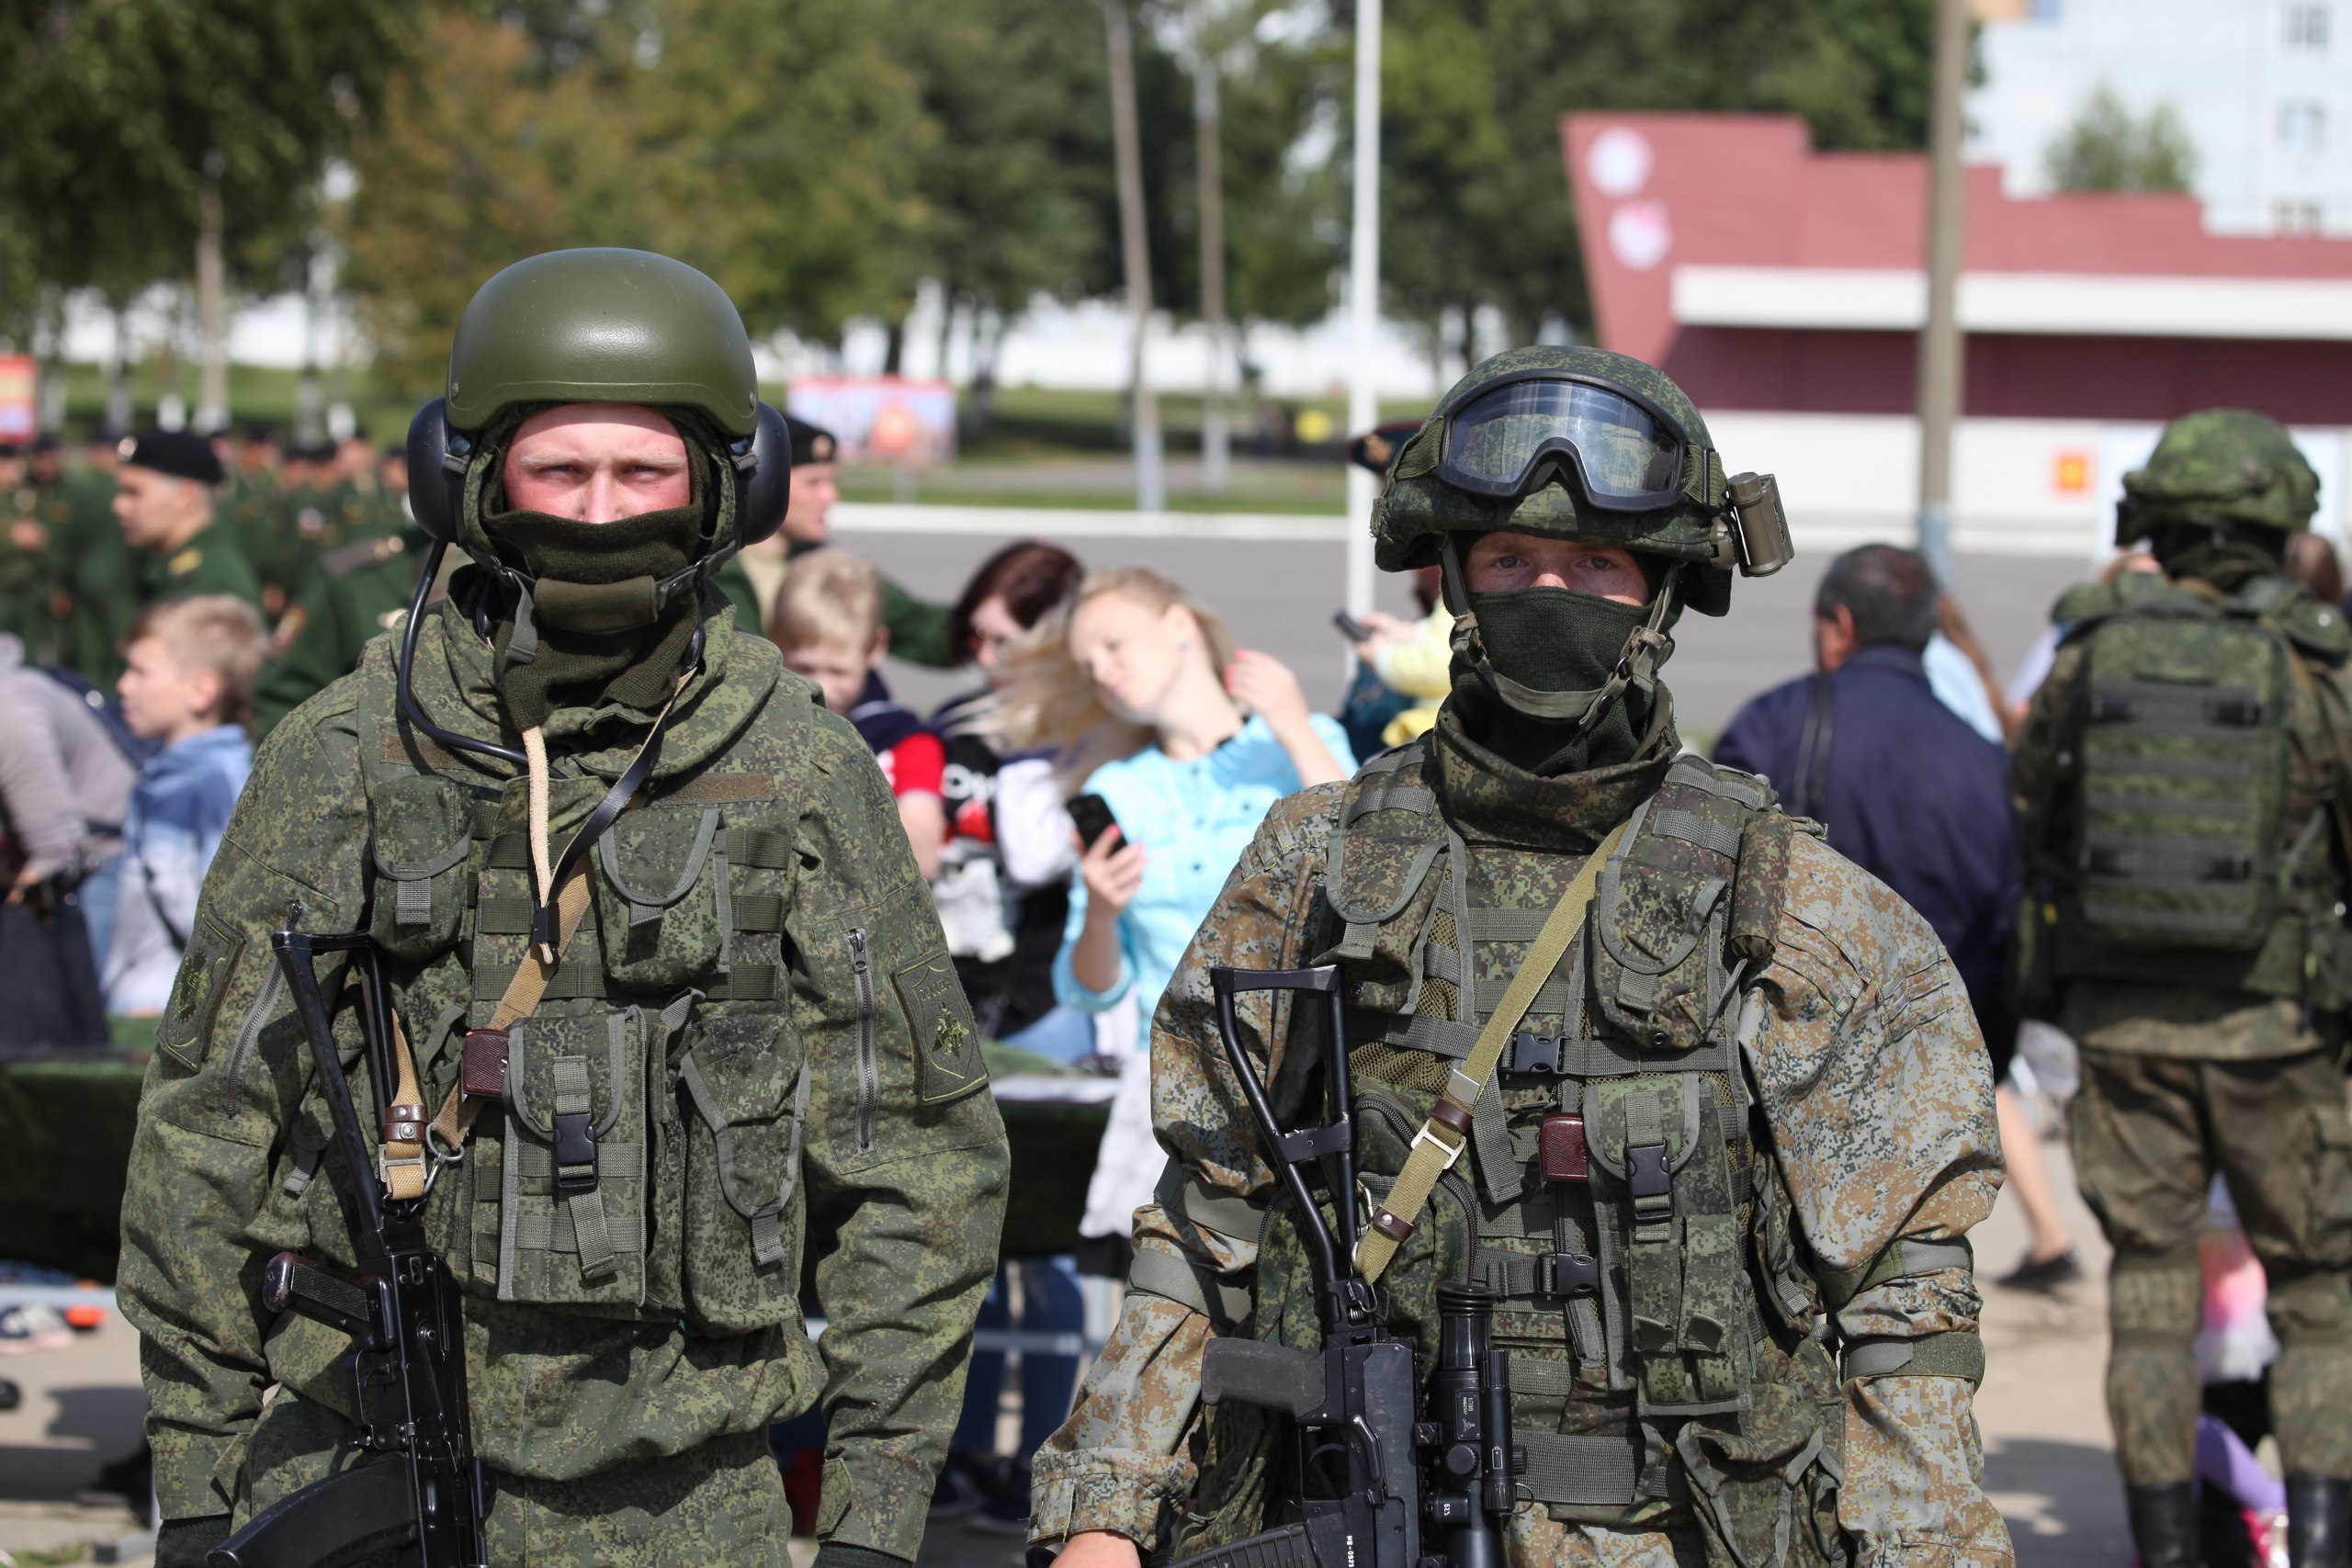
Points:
x=757, y=1015
x=1779, y=1371
x=2199, y=1060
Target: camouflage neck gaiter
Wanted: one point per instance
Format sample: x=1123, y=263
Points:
x=595, y=630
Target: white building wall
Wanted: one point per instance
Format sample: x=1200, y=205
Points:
x=2227, y=67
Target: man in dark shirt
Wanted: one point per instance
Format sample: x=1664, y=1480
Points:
x=1914, y=796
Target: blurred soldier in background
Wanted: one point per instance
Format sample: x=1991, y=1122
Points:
x=2185, y=796
x=164, y=499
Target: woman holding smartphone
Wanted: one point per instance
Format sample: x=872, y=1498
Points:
x=1189, y=741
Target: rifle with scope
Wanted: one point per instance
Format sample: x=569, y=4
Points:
x=1396, y=1471
x=420, y=1493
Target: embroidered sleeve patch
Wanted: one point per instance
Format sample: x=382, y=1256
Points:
x=184, y=1032
x=947, y=1043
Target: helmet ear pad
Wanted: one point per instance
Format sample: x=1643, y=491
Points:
x=436, y=471
x=766, y=488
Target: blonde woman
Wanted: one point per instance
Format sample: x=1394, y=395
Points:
x=1138, y=688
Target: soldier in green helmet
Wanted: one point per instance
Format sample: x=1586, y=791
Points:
x=670, y=990
x=1719, y=1174
x=2185, y=796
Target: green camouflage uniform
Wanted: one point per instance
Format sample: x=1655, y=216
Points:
x=1780, y=1371
x=2185, y=1081
x=357, y=591
x=211, y=562
x=623, y=1420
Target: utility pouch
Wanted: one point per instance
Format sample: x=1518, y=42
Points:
x=573, y=1176
x=1662, y=1188
x=663, y=903
x=423, y=852
x=745, y=1087
x=1764, y=1487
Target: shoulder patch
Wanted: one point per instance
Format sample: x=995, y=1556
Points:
x=185, y=1029
x=948, y=1043
x=188, y=561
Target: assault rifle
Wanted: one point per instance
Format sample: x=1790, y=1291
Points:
x=420, y=1493
x=1386, y=1474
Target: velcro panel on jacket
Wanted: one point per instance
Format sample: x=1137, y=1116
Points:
x=1949, y=1355
x=1183, y=1194
x=1179, y=1279
x=1574, y=1469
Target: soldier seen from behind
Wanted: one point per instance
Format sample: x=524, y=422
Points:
x=2186, y=795
x=671, y=1054
x=1722, y=1168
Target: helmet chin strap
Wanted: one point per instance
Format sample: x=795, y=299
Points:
x=1646, y=647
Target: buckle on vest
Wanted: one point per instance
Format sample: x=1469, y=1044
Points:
x=1651, y=1183
x=575, y=1153
x=1570, y=1274
x=1533, y=1053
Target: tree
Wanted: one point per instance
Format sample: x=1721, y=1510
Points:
x=2110, y=148
x=137, y=125
x=1475, y=200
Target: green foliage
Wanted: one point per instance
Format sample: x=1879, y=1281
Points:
x=116, y=111
x=2110, y=148
x=1475, y=200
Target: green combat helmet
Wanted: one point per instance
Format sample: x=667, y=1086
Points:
x=2219, y=465
x=592, y=326
x=1579, y=444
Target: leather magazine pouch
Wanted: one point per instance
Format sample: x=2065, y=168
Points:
x=1562, y=1149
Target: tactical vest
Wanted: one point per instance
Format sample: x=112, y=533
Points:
x=1668, y=1360
x=641, y=1157
x=2177, y=848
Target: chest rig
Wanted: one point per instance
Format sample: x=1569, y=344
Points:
x=1659, y=1324
x=634, y=1147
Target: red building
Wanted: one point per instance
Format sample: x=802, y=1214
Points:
x=1768, y=278
x=1761, y=273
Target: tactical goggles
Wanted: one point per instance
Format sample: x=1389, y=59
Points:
x=1517, y=435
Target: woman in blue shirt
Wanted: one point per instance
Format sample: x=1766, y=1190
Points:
x=1190, y=742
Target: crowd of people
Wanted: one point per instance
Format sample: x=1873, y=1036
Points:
x=1092, y=819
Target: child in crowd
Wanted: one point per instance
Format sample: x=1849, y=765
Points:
x=828, y=622
x=188, y=684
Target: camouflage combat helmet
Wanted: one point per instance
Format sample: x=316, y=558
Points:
x=1592, y=445
x=2219, y=466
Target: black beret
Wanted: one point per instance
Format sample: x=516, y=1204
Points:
x=811, y=443
x=259, y=431
x=10, y=449
x=44, y=443
x=182, y=454
x=310, y=452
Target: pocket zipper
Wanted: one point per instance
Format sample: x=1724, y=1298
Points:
x=232, y=1087
x=869, y=1068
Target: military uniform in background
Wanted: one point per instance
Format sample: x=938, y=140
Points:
x=1739, y=1310
x=756, y=1019
x=212, y=562
x=357, y=591
x=2184, y=783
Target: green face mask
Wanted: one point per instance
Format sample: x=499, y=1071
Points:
x=1553, y=641
x=596, y=627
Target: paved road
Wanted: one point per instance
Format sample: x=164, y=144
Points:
x=1279, y=595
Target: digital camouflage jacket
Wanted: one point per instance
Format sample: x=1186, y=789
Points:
x=759, y=1016
x=1874, y=1127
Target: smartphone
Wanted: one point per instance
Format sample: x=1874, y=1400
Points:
x=1092, y=813
x=1349, y=627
